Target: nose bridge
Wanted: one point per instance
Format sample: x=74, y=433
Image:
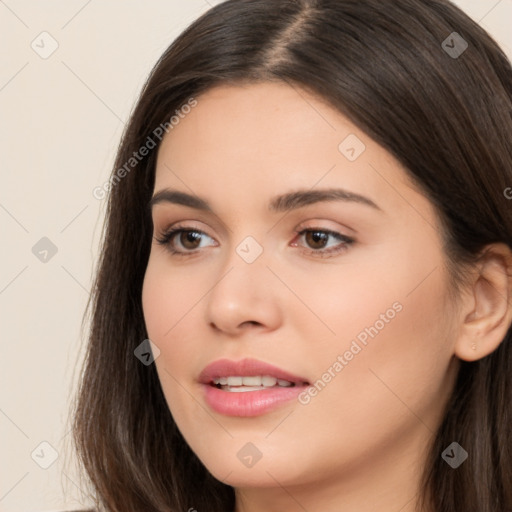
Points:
x=244, y=292
x=243, y=271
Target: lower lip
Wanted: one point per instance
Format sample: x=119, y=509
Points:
x=249, y=403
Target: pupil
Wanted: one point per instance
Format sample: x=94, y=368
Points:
x=316, y=239
x=189, y=239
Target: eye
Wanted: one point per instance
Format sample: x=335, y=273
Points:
x=182, y=240
x=323, y=243
x=186, y=241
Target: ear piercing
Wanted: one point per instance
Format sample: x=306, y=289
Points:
x=473, y=346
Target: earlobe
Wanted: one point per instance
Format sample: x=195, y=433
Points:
x=488, y=309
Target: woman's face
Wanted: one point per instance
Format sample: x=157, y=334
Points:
x=306, y=248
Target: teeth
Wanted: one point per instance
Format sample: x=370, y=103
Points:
x=268, y=381
x=235, y=381
x=242, y=389
x=250, y=383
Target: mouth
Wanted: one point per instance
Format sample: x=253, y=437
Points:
x=239, y=384
x=248, y=387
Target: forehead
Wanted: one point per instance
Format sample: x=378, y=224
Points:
x=273, y=115
x=273, y=137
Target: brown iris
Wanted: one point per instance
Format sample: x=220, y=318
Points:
x=190, y=239
x=316, y=239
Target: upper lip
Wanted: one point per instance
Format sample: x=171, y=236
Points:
x=245, y=368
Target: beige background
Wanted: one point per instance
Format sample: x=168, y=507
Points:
x=61, y=120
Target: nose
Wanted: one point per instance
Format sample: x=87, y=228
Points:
x=244, y=297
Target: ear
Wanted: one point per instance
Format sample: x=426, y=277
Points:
x=486, y=309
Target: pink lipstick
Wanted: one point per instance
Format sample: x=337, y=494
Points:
x=248, y=387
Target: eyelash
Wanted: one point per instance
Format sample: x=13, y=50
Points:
x=166, y=238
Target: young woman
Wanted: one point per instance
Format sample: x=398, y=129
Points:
x=303, y=298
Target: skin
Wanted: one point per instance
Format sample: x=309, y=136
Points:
x=359, y=444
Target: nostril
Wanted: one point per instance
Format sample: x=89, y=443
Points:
x=251, y=322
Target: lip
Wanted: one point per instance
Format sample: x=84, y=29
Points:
x=248, y=403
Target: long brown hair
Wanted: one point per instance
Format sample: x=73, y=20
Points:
x=444, y=110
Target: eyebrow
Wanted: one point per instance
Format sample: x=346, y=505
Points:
x=282, y=203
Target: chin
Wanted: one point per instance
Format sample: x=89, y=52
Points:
x=242, y=463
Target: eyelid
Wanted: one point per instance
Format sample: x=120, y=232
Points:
x=322, y=224
x=171, y=211
x=184, y=226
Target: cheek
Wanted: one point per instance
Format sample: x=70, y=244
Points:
x=395, y=350
x=167, y=297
